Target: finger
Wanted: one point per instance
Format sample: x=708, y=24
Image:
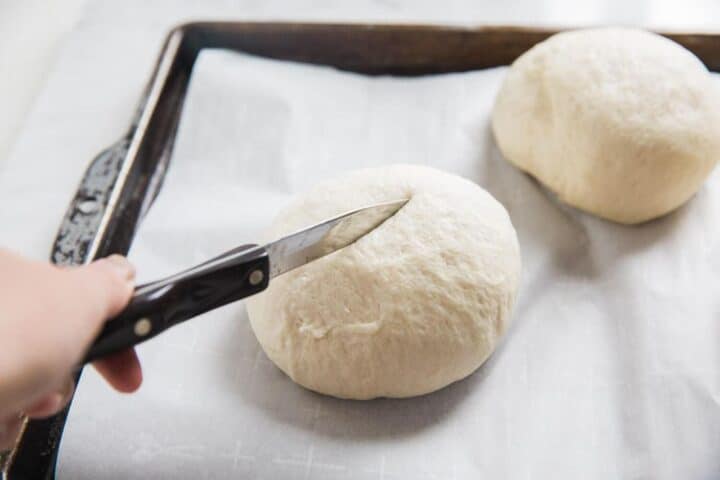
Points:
x=52, y=403
x=121, y=370
x=110, y=281
x=103, y=288
x=9, y=431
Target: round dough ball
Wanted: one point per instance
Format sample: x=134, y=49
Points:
x=621, y=123
x=409, y=308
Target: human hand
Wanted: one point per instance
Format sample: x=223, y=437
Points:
x=48, y=318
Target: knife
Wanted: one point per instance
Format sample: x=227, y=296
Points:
x=236, y=274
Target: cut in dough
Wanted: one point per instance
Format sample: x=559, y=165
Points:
x=411, y=307
x=621, y=123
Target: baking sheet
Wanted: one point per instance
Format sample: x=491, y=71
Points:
x=610, y=368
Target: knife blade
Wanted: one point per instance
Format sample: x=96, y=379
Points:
x=236, y=274
x=311, y=243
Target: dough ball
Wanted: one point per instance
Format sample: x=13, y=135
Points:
x=411, y=307
x=621, y=123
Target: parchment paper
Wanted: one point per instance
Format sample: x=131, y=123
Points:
x=610, y=369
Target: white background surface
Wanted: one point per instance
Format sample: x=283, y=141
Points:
x=616, y=387
x=31, y=33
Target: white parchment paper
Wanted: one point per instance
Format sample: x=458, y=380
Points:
x=611, y=368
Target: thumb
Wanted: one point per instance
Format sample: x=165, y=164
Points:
x=106, y=287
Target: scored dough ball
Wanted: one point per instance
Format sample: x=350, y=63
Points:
x=411, y=307
x=621, y=123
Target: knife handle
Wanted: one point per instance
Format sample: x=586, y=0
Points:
x=159, y=305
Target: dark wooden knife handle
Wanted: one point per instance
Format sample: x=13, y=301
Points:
x=159, y=305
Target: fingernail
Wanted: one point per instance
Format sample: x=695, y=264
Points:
x=122, y=266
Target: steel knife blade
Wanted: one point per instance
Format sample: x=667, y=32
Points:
x=326, y=237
